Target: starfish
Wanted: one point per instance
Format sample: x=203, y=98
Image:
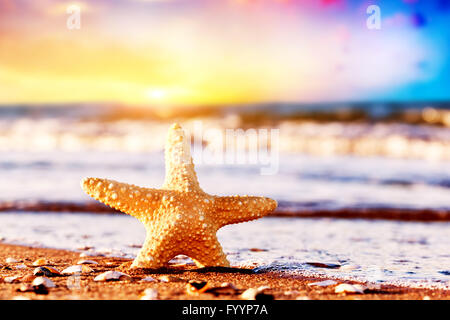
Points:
x=180, y=218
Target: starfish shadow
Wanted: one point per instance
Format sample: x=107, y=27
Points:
x=182, y=269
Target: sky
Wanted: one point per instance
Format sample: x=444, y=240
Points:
x=206, y=52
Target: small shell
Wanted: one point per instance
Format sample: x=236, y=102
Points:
x=149, y=294
x=26, y=288
x=225, y=288
x=87, y=262
x=249, y=294
x=13, y=279
x=262, y=289
x=21, y=266
x=39, y=289
x=228, y=285
x=149, y=279
x=77, y=269
x=46, y=271
x=43, y=281
x=21, y=298
x=170, y=279
x=350, y=288
x=112, y=275
x=197, y=287
x=27, y=278
x=376, y=286
x=85, y=254
x=40, y=262
x=256, y=294
x=325, y=283
x=291, y=292
x=12, y=260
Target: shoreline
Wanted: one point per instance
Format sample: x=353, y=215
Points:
x=278, y=285
x=284, y=210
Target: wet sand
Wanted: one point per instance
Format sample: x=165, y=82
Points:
x=284, y=209
x=279, y=286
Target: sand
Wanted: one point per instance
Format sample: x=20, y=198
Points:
x=280, y=286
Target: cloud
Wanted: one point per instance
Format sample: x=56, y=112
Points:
x=212, y=54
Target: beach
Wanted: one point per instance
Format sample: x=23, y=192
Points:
x=363, y=214
x=279, y=286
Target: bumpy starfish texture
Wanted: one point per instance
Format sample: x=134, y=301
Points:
x=180, y=218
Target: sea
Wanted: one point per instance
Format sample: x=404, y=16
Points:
x=324, y=157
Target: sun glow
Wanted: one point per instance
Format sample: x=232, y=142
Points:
x=152, y=52
x=157, y=94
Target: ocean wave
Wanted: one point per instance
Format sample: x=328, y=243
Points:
x=361, y=139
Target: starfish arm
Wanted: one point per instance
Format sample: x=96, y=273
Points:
x=180, y=172
x=138, y=202
x=213, y=256
x=237, y=209
x=158, y=248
